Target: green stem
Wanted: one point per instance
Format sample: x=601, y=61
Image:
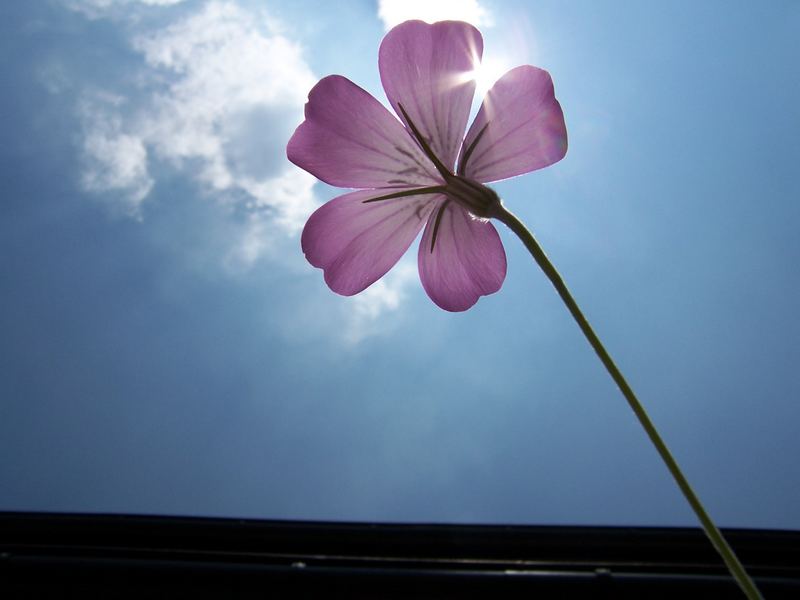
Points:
x=714, y=534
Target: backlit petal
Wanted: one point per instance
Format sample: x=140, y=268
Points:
x=521, y=128
x=425, y=68
x=467, y=260
x=349, y=139
x=357, y=243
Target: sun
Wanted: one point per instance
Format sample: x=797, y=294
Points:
x=486, y=73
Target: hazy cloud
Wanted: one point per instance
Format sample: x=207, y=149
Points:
x=97, y=9
x=114, y=160
x=386, y=295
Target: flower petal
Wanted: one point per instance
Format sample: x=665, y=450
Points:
x=356, y=243
x=425, y=68
x=466, y=261
x=349, y=139
x=521, y=128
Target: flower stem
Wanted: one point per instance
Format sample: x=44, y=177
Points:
x=737, y=570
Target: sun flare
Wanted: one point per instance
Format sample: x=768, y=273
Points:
x=486, y=73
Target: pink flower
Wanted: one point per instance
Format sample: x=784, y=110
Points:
x=405, y=173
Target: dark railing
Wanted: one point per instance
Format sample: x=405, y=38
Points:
x=54, y=555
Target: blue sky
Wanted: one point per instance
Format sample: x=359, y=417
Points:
x=166, y=348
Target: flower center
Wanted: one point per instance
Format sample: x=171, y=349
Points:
x=478, y=199
x=475, y=197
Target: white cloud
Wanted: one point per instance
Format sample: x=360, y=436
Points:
x=222, y=94
x=235, y=93
x=393, y=12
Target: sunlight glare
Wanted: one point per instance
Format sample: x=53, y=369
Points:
x=486, y=73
